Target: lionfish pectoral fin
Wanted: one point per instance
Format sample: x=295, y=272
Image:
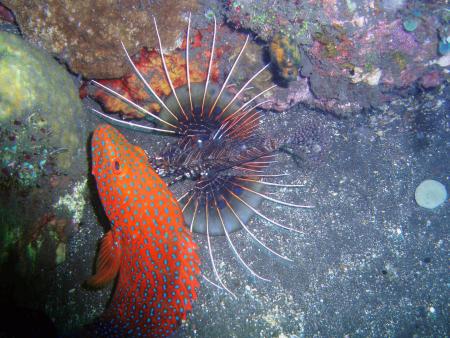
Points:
x=108, y=262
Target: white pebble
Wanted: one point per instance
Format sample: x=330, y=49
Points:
x=430, y=194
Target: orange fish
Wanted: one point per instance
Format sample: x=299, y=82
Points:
x=148, y=246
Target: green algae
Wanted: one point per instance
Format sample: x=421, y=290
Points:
x=368, y=67
x=32, y=252
x=14, y=247
x=351, y=5
x=18, y=249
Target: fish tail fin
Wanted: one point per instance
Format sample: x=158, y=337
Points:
x=108, y=262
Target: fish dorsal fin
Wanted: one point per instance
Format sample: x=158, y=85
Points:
x=108, y=262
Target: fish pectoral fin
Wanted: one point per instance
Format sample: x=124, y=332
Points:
x=108, y=262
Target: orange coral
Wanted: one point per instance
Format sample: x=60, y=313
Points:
x=150, y=65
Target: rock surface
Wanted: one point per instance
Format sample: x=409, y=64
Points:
x=43, y=163
x=36, y=89
x=355, y=55
x=87, y=34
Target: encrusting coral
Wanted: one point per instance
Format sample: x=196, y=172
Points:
x=42, y=151
x=150, y=65
x=38, y=95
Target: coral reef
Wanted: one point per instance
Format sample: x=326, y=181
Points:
x=150, y=65
x=37, y=94
x=285, y=55
x=42, y=153
x=349, y=58
x=267, y=18
x=353, y=55
x=87, y=34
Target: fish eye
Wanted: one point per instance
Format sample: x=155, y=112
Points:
x=116, y=166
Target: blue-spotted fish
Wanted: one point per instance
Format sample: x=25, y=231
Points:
x=147, y=247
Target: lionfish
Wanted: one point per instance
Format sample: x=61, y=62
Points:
x=218, y=146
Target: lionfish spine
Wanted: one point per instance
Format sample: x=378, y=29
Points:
x=218, y=147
